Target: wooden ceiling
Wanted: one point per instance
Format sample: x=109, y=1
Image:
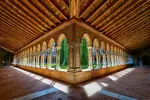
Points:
x=125, y=21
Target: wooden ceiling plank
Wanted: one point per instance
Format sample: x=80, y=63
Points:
x=109, y=7
x=20, y=18
x=17, y=21
x=14, y=36
x=45, y=3
x=30, y=7
x=18, y=25
x=134, y=31
x=62, y=6
x=130, y=16
x=44, y=11
x=137, y=40
x=124, y=14
x=15, y=31
x=116, y=13
x=24, y=12
x=132, y=27
x=83, y=13
x=138, y=34
x=7, y=45
x=12, y=39
x=97, y=11
x=128, y=19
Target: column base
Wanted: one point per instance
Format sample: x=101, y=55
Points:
x=73, y=70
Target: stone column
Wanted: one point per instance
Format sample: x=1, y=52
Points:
x=33, y=60
x=90, y=57
x=37, y=59
x=58, y=57
x=42, y=59
x=74, y=57
x=97, y=57
x=112, y=59
x=49, y=58
x=104, y=59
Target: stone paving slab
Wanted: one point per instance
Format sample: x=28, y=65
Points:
x=128, y=84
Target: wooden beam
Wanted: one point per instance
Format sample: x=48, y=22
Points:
x=129, y=34
x=61, y=26
x=45, y=3
x=74, y=8
x=128, y=19
x=82, y=24
x=18, y=27
x=44, y=11
x=86, y=10
x=97, y=11
x=35, y=11
x=130, y=28
x=22, y=18
x=109, y=6
x=116, y=13
x=7, y=49
x=127, y=14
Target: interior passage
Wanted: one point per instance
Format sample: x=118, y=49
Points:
x=128, y=84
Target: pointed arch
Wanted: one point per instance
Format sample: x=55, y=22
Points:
x=38, y=47
x=51, y=42
x=44, y=46
x=88, y=39
x=30, y=50
x=61, y=38
x=96, y=43
x=102, y=45
x=34, y=49
x=107, y=47
x=112, y=48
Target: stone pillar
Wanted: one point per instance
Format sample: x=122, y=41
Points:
x=42, y=59
x=90, y=57
x=104, y=59
x=106, y=53
x=49, y=58
x=97, y=57
x=33, y=60
x=74, y=57
x=112, y=59
x=58, y=57
x=37, y=59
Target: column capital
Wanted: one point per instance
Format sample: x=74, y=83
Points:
x=89, y=47
x=58, y=47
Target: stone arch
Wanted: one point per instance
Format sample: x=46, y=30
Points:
x=50, y=43
x=88, y=39
x=112, y=48
x=107, y=47
x=34, y=49
x=44, y=46
x=30, y=50
x=38, y=48
x=27, y=51
x=96, y=43
x=102, y=45
x=61, y=38
x=115, y=49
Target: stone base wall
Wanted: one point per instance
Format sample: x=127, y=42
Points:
x=73, y=78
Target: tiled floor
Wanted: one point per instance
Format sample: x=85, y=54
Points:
x=128, y=84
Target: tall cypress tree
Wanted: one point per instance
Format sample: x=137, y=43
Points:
x=64, y=53
x=84, y=53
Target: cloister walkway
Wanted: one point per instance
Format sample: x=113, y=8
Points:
x=128, y=84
